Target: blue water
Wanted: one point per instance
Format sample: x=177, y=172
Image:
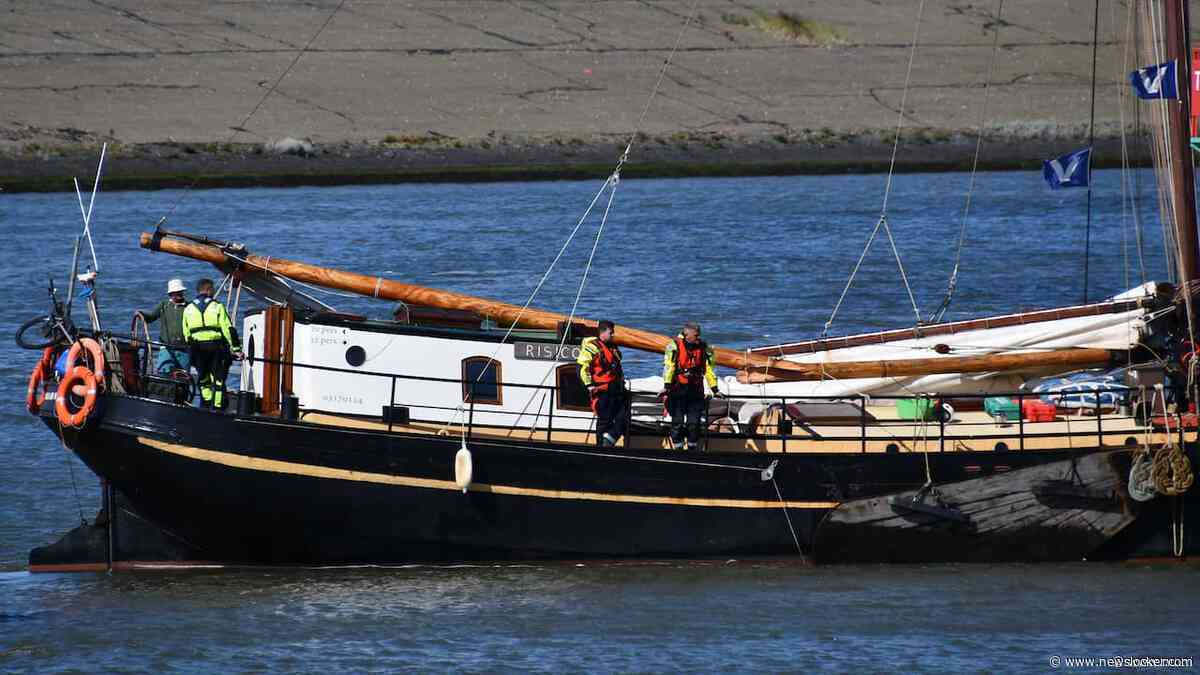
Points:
x=754, y=260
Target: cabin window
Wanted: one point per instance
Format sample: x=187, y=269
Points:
x=482, y=380
x=356, y=356
x=572, y=395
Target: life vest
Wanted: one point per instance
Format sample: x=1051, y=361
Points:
x=690, y=361
x=209, y=328
x=606, y=367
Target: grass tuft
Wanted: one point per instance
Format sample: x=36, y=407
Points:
x=787, y=26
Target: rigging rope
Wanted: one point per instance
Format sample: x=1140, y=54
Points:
x=912, y=53
x=613, y=181
x=1130, y=188
x=938, y=313
x=661, y=74
x=1087, y=231
x=786, y=515
x=1172, y=470
x=887, y=190
x=1163, y=152
x=1183, y=274
x=610, y=182
x=537, y=289
x=71, y=470
x=242, y=127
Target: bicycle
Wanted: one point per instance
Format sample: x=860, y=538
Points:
x=48, y=330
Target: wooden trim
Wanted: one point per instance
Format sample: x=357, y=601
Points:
x=296, y=469
x=573, y=370
x=467, y=381
x=951, y=328
x=287, y=318
x=271, y=373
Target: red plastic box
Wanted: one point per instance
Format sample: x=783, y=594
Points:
x=1037, y=410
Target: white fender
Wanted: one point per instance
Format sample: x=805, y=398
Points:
x=463, y=469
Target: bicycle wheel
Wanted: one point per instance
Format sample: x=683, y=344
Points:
x=37, y=333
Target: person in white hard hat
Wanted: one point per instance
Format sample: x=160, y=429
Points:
x=170, y=329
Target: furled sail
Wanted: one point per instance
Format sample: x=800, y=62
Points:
x=1116, y=331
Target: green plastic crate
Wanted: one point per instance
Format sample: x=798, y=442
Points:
x=1002, y=407
x=914, y=408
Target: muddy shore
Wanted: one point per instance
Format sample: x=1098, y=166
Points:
x=173, y=165
x=196, y=93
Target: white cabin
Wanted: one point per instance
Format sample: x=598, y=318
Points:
x=344, y=365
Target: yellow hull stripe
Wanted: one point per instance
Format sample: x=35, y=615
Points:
x=295, y=469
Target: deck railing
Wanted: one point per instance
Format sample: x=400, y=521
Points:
x=949, y=435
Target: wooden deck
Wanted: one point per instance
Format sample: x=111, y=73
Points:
x=972, y=431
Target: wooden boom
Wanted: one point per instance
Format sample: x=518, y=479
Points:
x=505, y=314
x=1066, y=359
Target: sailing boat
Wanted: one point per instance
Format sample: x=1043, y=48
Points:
x=469, y=436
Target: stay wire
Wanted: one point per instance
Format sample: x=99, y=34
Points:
x=537, y=289
x=900, y=266
x=1137, y=132
x=242, y=126
x=613, y=181
x=887, y=189
x=1174, y=207
x=662, y=72
x=1087, y=231
x=610, y=182
x=1124, y=159
x=912, y=53
x=952, y=285
x=849, y=282
x=71, y=470
x=788, y=517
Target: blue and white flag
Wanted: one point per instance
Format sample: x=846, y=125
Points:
x=1073, y=170
x=1154, y=82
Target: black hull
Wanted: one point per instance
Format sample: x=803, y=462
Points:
x=258, y=490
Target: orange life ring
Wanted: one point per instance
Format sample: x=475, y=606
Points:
x=94, y=350
x=36, y=395
x=77, y=376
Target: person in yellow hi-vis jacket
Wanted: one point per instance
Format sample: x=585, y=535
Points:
x=213, y=341
x=688, y=381
x=600, y=371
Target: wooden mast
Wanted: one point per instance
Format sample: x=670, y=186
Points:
x=504, y=313
x=1183, y=180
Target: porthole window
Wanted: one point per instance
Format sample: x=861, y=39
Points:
x=356, y=356
x=572, y=395
x=482, y=380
